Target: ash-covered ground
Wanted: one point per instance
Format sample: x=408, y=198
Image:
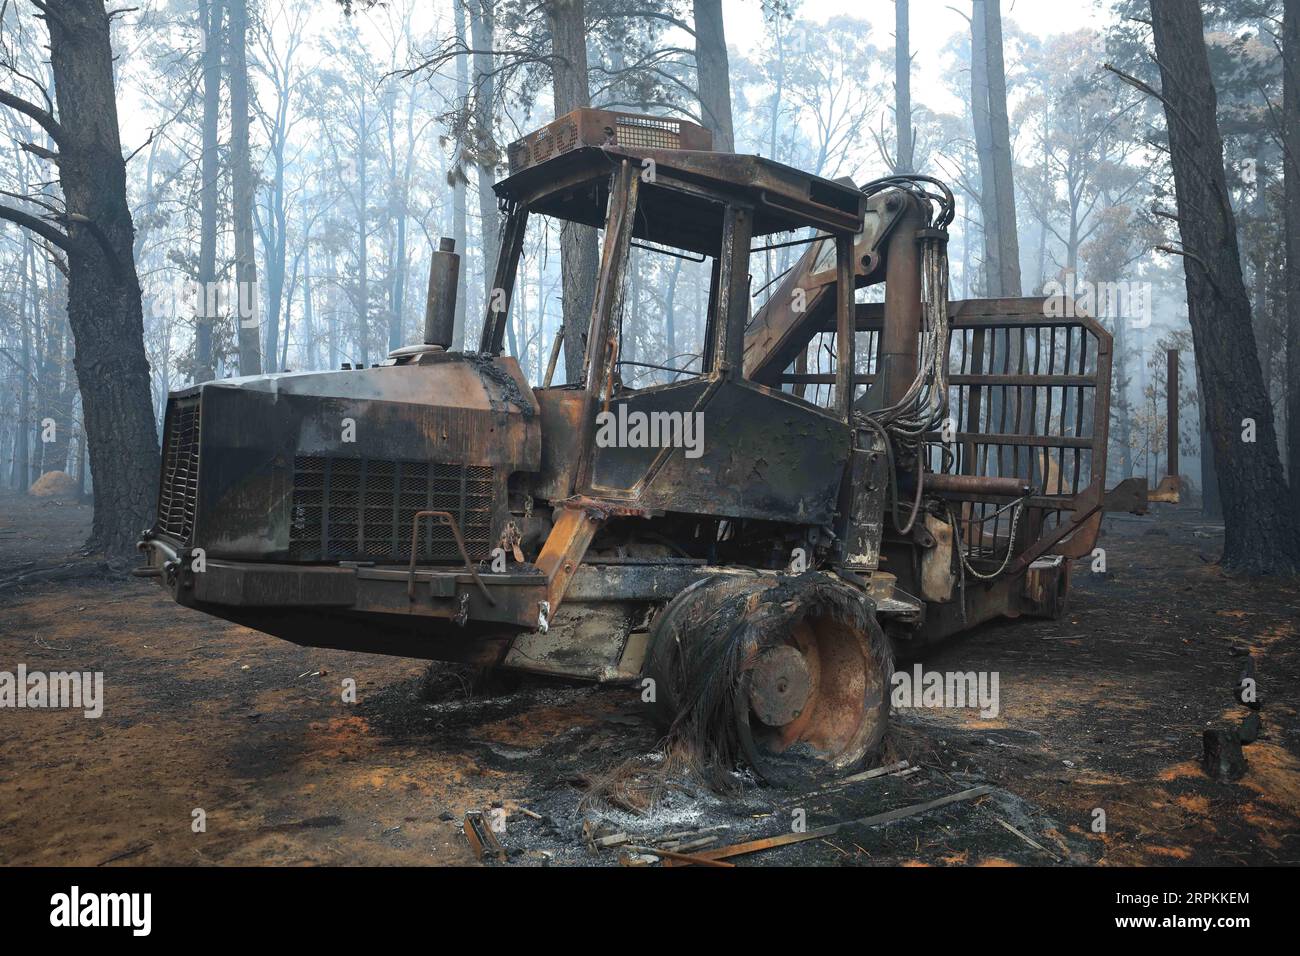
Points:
x=1102, y=710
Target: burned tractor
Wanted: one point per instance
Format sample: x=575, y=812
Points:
x=937, y=467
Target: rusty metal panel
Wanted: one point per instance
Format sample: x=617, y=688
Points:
x=1046, y=588
x=275, y=585
x=563, y=411
x=764, y=455
x=583, y=641
x=862, y=513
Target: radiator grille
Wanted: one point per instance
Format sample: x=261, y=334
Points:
x=362, y=509
x=179, y=487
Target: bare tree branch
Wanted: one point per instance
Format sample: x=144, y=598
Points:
x=43, y=117
x=38, y=226
x=40, y=151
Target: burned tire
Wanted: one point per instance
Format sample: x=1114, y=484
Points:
x=684, y=616
x=787, y=675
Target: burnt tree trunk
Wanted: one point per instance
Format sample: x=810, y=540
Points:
x=55, y=400
x=1211, y=504
x=458, y=181
x=104, y=307
x=1000, y=128
x=1120, y=401
x=1261, y=530
x=361, y=207
x=332, y=310
x=982, y=126
x=902, y=89
x=247, y=301
x=209, y=170
x=482, y=30
x=310, y=339
x=1291, y=149
x=400, y=265
x=579, y=262
x=998, y=211
x=22, y=444
x=713, y=73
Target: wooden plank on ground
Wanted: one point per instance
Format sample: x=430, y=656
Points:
x=785, y=839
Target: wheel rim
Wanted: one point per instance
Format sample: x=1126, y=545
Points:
x=815, y=703
x=809, y=674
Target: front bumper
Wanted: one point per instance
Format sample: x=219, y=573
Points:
x=449, y=595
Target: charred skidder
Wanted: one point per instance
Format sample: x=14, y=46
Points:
x=934, y=470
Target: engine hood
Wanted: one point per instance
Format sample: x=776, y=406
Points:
x=294, y=466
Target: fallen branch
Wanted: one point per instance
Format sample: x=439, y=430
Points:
x=1035, y=845
x=867, y=775
x=785, y=839
x=680, y=859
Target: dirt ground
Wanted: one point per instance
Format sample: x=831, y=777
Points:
x=1101, y=710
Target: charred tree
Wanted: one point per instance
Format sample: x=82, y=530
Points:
x=578, y=260
x=983, y=130
x=1008, y=237
x=54, y=394
x=22, y=441
x=332, y=309
x=1262, y=534
x=361, y=206
x=992, y=129
x=400, y=167
x=1211, y=504
x=903, y=163
x=209, y=170
x=311, y=341
x=457, y=176
x=104, y=304
x=998, y=206
x=246, y=300
x=1291, y=152
x=1000, y=146
x=713, y=73
x=482, y=31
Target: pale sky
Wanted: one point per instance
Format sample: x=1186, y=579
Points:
x=932, y=23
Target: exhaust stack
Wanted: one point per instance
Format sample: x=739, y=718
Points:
x=440, y=306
